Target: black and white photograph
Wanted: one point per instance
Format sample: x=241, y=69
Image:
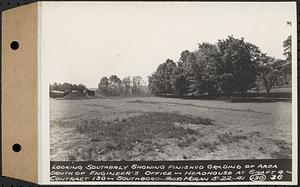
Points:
x=177, y=81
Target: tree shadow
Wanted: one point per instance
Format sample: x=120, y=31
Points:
x=261, y=100
x=249, y=98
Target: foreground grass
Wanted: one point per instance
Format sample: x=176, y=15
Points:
x=121, y=137
x=167, y=129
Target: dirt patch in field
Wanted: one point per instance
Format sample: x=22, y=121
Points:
x=228, y=138
x=124, y=139
x=284, y=149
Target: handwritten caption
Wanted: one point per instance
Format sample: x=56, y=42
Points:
x=173, y=171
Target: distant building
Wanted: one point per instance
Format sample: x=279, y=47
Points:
x=89, y=92
x=56, y=94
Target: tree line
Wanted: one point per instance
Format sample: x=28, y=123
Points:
x=114, y=86
x=231, y=66
x=66, y=87
x=109, y=86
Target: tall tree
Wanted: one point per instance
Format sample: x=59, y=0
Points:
x=164, y=73
x=206, y=58
x=155, y=85
x=160, y=80
x=115, y=85
x=192, y=72
x=179, y=82
x=236, y=65
x=287, y=45
x=127, y=85
x=270, y=70
x=136, y=85
x=184, y=57
x=103, y=86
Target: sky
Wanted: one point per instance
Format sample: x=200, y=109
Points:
x=84, y=41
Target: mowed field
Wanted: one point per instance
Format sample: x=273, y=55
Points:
x=153, y=128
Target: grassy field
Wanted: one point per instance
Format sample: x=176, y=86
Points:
x=153, y=128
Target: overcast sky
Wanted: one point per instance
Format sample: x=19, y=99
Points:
x=84, y=41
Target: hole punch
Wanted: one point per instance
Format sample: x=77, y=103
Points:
x=14, y=45
x=16, y=147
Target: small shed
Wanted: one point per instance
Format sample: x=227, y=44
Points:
x=89, y=92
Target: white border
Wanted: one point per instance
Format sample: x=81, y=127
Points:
x=44, y=138
x=44, y=130
x=294, y=99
